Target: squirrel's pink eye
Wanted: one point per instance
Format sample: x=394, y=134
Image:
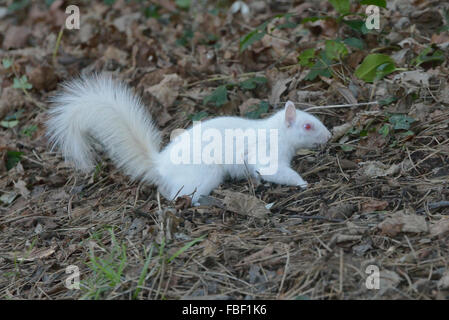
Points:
x=307, y=126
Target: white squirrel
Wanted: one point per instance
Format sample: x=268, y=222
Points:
x=107, y=110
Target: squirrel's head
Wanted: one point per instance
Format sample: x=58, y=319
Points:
x=305, y=130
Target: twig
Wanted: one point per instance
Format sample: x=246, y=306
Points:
x=434, y=205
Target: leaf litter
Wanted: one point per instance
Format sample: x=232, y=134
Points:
x=377, y=193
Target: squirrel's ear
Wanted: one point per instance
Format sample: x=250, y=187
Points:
x=290, y=113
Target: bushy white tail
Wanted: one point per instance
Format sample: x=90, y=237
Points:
x=104, y=109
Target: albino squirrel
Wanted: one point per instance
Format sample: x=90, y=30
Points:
x=107, y=110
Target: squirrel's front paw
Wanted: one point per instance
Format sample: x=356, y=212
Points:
x=303, y=185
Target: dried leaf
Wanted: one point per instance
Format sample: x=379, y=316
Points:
x=245, y=204
x=36, y=253
x=167, y=90
x=401, y=222
x=374, y=205
x=265, y=252
x=278, y=89
x=439, y=228
x=21, y=187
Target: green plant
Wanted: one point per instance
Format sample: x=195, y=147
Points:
x=259, y=109
x=431, y=55
x=12, y=158
x=107, y=271
x=28, y=131
x=374, y=67
x=218, y=97
x=7, y=63
x=198, y=116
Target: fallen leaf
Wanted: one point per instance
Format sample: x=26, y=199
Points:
x=245, y=204
x=277, y=90
x=439, y=228
x=265, y=252
x=340, y=211
x=248, y=105
x=16, y=37
x=167, y=90
x=21, y=187
x=415, y=78
x=374, y=205
x=401, y=222
x=374, y=169
x=443, y=283
x=35, y=254
x=388, y=279
x=116, y=54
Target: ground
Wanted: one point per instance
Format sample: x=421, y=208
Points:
x=373, y=223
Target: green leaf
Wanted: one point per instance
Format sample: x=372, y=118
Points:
x=185, y=39
x=252, y=83
x=401, y=121
x=18, y=5
x=313, y=19
x=7, y=63
x=357, y=25
x=185, y=247
x=251, y=38
x=385, y=130
x=379, y=3
x=183, y=4
x=427, y=55
x=320, y=68
x=306, y=57
x=152, y=11
x=28, y=131
x=374, y=66
x=387, y=101
x=406, y=134
x=12, y=158
x=22, y=83
x=347, y=147
x=198, y=116
x=335, y=50
x=262, y=107
x=9, y=124
x=355, y=43
x=287, y=25
x=218, y=98
x=384, y=69
x=342, y=6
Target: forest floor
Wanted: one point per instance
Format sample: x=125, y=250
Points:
x=377, y=205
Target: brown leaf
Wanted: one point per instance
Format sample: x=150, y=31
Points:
x=439, y=228
x=374, y=205
x=248, y=106
x=245, y=204
x=10, y=99
x=16, y=37
x=43, y=78
x=21, y=187
x=116, y=54
x=340, y=211
x=33, y=255
x=167, y=90
x=278, y=89
x=265, y=252
x=401, y=222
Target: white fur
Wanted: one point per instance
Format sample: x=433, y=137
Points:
x=107, y=110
